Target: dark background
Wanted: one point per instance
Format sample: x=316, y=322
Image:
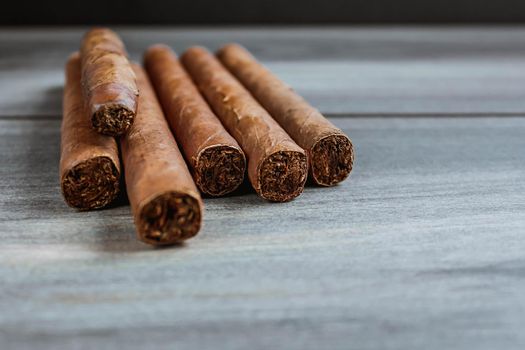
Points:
x=187, y=12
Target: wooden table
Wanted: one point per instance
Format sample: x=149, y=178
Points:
x=422, y=248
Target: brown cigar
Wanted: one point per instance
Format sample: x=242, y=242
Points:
x=108, y=82
x=215, y=157
x=277, y=167
x=165, y=202
x=330, y=151
x=89, y=163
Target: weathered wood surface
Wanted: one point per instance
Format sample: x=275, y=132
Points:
x=421, y=248
x=340, y=70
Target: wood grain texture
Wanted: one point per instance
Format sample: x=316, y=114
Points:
x=421, y=248
x=391, y=70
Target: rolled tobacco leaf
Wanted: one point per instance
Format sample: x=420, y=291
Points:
x=108, y=82
x=277, y=166
x=164, y=200
x=330, y=151
x=216, y=159
x=89, y=162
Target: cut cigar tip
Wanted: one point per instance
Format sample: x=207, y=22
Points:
x=169, y=218
x=220, y=169
x=112, y=119
x=108, y=82
x=215, y=158
x=91, y=184
x=332, y=159
x=282, y=176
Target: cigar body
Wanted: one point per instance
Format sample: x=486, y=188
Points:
x=216, y=159
x=89, y=162
x=277, y=166
x=165, y=203
x=330, y=151
x=109, y=85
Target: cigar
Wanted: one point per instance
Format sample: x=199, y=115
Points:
x=277, y=166
x=330, y=151
x=108, y=82
x=165, y=203
x=89, y=162
x=215, y=158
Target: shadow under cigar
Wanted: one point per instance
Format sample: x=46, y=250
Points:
x=244, y=188
x=121, y=238
x=119, y=233
x=244, y=195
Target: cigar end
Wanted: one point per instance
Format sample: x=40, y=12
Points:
x=332, y=159
x=113, y=119
x=169, y=218
x=91, y=184
x=220, y=170
x=283, y=175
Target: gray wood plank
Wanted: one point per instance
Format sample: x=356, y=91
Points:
x=354, y=70
x=421, y=248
